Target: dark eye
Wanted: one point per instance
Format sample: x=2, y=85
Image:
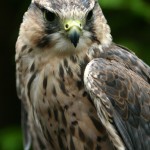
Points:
x=89, y=16
x=49, y=16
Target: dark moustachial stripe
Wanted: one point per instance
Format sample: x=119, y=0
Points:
x=90, y=27
x=43, y=42
x=72, y=146
x=29, y=84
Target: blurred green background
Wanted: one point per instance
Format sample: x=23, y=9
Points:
x=130, y=25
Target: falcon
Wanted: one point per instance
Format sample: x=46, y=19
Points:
x=78, y=89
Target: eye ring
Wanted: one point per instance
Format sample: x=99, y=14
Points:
x=49, y=16
x=90, y=15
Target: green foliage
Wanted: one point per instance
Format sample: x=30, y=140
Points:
x=11, y=139
x=139, y=7
x=130, y=21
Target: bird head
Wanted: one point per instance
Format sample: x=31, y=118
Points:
x=64, y=26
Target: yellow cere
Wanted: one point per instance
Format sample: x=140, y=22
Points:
x=72, y=23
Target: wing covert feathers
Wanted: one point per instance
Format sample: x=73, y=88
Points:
x=120, y=91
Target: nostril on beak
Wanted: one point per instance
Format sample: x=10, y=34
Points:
x=66, y=27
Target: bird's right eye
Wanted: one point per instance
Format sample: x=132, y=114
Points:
x=90, y=15
x=49, y=16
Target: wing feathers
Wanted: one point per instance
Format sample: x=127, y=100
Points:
x=128, y=96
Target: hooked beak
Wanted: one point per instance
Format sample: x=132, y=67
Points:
x=73, y=29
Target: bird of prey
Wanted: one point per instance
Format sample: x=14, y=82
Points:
x=78, y=89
